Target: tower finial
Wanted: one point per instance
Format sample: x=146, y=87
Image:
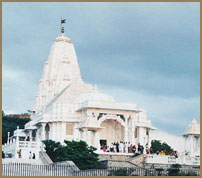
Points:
x=62, y=28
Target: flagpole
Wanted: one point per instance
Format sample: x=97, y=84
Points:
x=61, y=24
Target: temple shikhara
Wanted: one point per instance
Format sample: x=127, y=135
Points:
x=67, y=108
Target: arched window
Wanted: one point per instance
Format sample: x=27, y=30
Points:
x=147, y=131
x=34, y=135
x=47, y=129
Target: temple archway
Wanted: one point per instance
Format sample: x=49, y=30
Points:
x=112, y=131
x=111, y=117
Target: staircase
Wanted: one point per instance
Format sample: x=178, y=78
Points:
x=138, y=160
x=120, y=160
x=45, y=158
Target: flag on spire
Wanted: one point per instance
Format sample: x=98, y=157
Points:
x=63, y=21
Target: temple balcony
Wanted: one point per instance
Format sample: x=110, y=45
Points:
x=107, y=105
x=13, y=146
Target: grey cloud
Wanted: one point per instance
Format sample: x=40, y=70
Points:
x=152, y=48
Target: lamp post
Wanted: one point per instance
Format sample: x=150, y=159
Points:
x=8, y=138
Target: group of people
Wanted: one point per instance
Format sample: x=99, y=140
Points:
x=127, y=147
x=123, y=147
x=31, y=156
x=174, y=153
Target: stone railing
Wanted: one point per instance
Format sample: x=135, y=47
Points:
x=158, y=159
x=9, y=147
x=24, y=145
x=113, y=153
x=161, y=159
x=192, y=160
x=27, y=144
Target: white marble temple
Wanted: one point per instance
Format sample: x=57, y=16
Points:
x=67, y=108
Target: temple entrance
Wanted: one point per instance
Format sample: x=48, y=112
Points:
x=112, y=132
x=103, y=142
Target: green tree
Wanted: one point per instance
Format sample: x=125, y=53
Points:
x=159, y=171
x=174, y=170
x=3, y=114
x=51, y=149
x=121, y=172
x=9, y=124
x=190, y=173
x=79, y=152
x=158, y=146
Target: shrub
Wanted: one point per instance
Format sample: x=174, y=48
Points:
x=174, y=170
x=121, y=172
x=77, y=151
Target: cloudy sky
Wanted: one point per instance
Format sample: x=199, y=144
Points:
x=144, y=53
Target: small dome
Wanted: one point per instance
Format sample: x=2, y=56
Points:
x=194, y=128
x=62, y=37
x=94, y=96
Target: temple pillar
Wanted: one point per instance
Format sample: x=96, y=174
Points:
x=126, y=134
x=84, y=134
x=89, y=138
x=133, y=130
x=43, y=131
x=59, y=131
x=63, y=131
x=192, y=145
x=198, y=144
x=96, y=140
x=148, y=138
x=56, y=133
x=76, y=132
x=126, y=128
x=185, y=144
x=142, y=136
x=53, y=131
x=50, y=131
x=30, y=135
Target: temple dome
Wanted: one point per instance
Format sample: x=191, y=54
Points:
x=62, y=37
x=94, y=96
x=193, y=128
